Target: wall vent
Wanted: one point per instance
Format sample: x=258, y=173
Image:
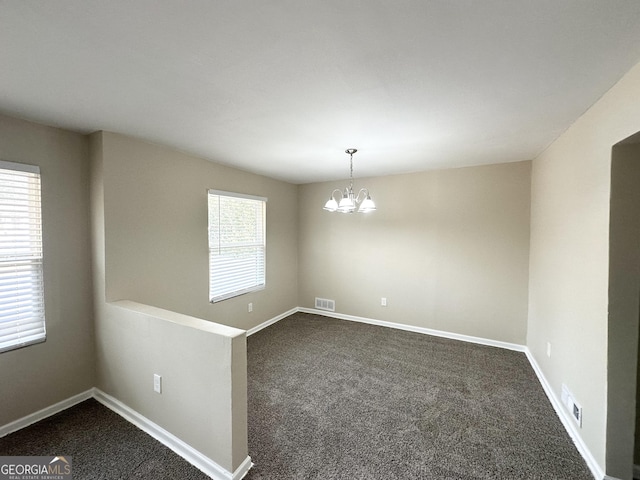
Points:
x=325, y=304
x=574, y=407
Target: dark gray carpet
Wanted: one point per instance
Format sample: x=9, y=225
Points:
x=332, y=399
x=103, y=446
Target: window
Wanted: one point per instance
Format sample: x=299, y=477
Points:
x=236, y=244
x=21, y=278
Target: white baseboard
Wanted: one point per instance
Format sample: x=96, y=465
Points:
x=243, y=469
x=399, y=326
x=256, y=329
x=215, y=471
x=44, y=413
x=190, y=454
x=413, y=328
x=567, y=421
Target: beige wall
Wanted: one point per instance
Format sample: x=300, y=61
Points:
x=568, y=284
x=203, y=364
x=41, y=375
x=449, y=250
x=203, y=367
x=156, y=232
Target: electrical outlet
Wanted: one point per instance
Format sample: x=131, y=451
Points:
x=383, y=301
x=548, y=349
x=250, y=307
x=157, y=383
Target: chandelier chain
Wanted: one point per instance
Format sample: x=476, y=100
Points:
x=351, y=172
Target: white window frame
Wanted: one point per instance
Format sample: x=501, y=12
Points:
x=221, y=285
x=22, y=318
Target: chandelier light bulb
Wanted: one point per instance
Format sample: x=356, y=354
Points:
x=367, y=205
x=331, y=205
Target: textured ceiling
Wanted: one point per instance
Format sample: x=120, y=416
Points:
x=281, y=88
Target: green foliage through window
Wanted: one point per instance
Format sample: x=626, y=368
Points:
x=237, y=245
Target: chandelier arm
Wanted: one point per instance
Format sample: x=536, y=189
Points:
x=339, y=194
x=364, y=192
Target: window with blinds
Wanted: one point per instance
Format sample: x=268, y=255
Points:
x=237, y=245
x=21, y=278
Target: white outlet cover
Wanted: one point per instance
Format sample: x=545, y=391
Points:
x=157, y=383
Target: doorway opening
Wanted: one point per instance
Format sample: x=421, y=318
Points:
x=623, y=422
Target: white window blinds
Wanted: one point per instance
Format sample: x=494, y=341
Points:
x=21, y=279
x=236, y=244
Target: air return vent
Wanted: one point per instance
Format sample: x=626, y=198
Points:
x=325, y=304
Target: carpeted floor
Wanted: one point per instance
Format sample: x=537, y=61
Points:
x=103, y=446
x=333, y=399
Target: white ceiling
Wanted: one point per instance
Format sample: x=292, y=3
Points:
x=282, y=87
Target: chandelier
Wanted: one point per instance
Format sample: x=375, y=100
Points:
x=350, y=202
